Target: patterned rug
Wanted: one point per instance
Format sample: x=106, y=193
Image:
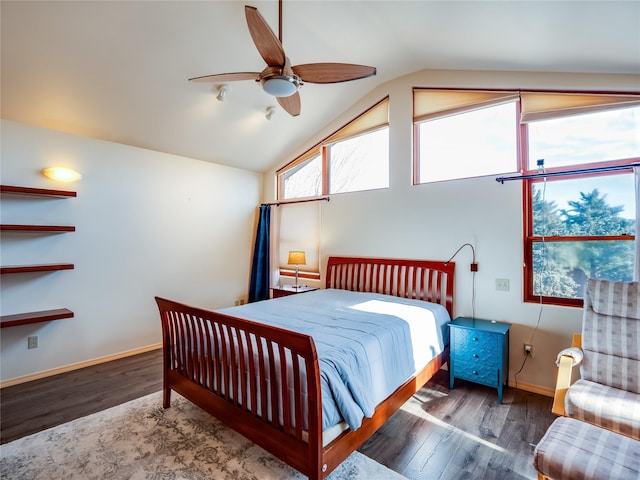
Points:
x=141, y=440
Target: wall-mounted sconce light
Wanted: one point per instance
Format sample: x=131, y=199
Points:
x=270, y=112
x=61, y=174
x=222, y=92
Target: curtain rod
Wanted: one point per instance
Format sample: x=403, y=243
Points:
x=568, y=172
x=296, y=201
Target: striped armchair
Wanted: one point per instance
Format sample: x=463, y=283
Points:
x=598, y=433
x=608, y=391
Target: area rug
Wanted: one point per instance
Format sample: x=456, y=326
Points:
x=141, y=440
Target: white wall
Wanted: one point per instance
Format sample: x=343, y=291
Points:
x=147, y=223
x=432, y=221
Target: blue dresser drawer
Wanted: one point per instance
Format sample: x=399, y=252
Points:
x=476, y=372
x=479, y=352
x=474, y=346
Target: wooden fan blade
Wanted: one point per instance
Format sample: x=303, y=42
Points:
x=291, y=104
x=227, y=77
x=263, y=37
x=332, y=72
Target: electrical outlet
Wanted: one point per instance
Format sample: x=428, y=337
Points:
x=32, y=342
x=502, y=284
x=239, y=302
x=527, y=349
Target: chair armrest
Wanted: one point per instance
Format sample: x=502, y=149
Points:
x=576, y=340
x=563, y=382
x=565, y=364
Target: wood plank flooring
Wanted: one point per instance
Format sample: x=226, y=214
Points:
x=40, y=404
x=462, y=433
x=437, y=435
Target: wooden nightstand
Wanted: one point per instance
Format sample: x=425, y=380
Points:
x=479, y=352
x=284, y=290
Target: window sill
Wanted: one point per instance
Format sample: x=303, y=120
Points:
x=307, y=275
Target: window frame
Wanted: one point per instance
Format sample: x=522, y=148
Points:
x=529, y=238
x=350, y=130
x=494, y=97
x=327, y=151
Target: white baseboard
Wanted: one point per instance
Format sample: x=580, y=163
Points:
x=548, y=392
x=527, y=387
x=76, y=366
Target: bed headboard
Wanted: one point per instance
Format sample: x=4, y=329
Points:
x=428, y=280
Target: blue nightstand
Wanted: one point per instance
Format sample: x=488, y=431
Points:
x=479, y=352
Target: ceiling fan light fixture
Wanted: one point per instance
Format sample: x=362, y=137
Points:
x=281, y=85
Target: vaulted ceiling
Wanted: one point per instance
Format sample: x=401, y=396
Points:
x=118, y=70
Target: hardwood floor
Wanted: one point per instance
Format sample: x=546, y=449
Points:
x=438, y=434
x=463, y=433
x=40, y=404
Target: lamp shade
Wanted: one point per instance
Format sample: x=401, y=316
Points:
x=297, y=258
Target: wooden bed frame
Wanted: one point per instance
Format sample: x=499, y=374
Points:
x=223, y=364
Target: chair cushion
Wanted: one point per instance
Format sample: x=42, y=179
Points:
x=614, y=299
x=575, y=450
x=608, y=407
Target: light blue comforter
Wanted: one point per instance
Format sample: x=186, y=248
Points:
x=368, y=344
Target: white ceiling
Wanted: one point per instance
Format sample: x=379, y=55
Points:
x=118, y=70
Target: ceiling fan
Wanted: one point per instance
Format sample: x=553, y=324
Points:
x=279, y=78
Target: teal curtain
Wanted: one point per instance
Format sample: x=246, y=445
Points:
x=260, y=271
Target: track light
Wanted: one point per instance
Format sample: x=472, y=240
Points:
x=270, y=112
x=222, y=92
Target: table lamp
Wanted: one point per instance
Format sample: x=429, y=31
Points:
x=296, y=258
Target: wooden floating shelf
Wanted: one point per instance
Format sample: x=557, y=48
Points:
x=46, y=192
x=37, y=228
x=49, y=267
x=34, y=317
x=45, y=315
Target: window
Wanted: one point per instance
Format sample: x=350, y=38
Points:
x=464, y=133
x=582, y=228
x=304, y=180
x=354, y=158
x=298, y=227
x=583, y=225
x=583, y=137
x=359, y=163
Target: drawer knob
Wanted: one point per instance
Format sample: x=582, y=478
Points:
x=475, y=339
x=474, y=372
x=475, y=355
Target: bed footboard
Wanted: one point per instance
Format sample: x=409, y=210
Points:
x=262, y=381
